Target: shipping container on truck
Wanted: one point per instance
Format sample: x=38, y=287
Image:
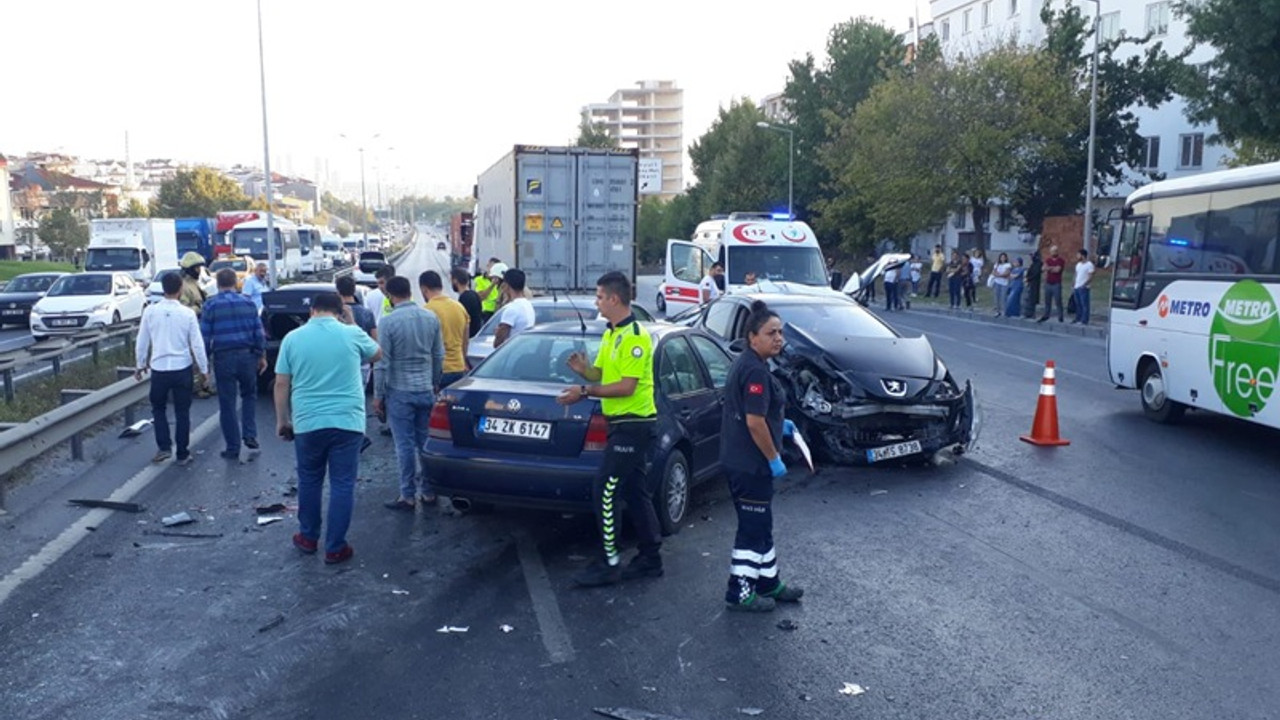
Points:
x=461, y=232
x=195, y=235
x=565, y=216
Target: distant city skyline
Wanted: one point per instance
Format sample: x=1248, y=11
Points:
x=436, y=82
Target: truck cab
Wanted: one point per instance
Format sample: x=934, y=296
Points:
x=775, y=248
x=137, y=246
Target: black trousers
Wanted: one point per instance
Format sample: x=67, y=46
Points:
x=934, y=289
x=754, y=564
x=176, y=383
x=622, y=478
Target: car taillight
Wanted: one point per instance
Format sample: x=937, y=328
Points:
x=597, y=434
x=438, y=426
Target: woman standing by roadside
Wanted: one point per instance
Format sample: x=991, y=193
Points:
x=976, y=261
x=956, y=271
x=751, y=432
x=1013, y=304
x=1000, y=282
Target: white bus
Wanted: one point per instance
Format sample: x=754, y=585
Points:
x=250, y=238
x=1193, y=306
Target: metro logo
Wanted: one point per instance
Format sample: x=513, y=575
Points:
x=1190, y=308
x=1244, y=348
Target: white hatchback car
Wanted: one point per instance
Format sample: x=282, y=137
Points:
x=85, y=301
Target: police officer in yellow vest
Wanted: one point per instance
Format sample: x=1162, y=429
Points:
x=486, y=286
x=623, y=380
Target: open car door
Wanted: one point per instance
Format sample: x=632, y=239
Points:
x=687, y=263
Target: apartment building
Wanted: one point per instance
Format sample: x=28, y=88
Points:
x=1174, y=147
x=649, y=117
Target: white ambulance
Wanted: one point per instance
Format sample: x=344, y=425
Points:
x=776, y=249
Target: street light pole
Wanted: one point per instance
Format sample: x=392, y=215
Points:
x=1093, y=131
x=364, y=204
x=791, y=162
x=266, y=158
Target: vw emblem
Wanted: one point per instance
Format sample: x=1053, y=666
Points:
x=896, y=388
x=513, y=405
x=13, y=305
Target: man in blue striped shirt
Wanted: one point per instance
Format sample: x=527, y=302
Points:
x=233, y=335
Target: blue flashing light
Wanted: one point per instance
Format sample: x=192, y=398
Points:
x=1179, y=242
x=782, y=216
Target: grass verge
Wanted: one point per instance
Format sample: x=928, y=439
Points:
x=37, y=397
x=10, y=269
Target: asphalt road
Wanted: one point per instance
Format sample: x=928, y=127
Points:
x=1132, y=574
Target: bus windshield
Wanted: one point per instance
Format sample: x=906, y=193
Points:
x=801, y=265
x=253, y=242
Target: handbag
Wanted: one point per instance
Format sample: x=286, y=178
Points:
x=1071, y=304
x=991, y=280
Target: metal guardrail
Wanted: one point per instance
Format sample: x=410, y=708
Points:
x=52, y=350
x=23, y=443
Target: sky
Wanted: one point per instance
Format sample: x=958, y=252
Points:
x=447, y=87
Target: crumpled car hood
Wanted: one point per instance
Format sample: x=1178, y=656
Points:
x=869, y=362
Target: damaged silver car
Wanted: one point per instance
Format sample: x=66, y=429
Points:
x=857, y=388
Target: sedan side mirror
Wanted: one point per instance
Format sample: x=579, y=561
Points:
x=739, y=345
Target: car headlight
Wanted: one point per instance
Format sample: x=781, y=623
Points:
x=100, y=307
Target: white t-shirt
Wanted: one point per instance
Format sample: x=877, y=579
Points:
x=374, y=302
x=977, y=267
x=916, y=267
x=1084, y=273
x=519, y=315
x=891, y=275
x=708, y=285
x=1001, y=274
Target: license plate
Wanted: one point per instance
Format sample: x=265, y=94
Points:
x=515, y=428
x=897, y=450
x=66, y=322
x=14, y=312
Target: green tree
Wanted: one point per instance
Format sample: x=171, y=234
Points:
x=135, y=209
x=950, y=133
x=1126, y=80
x=63, y=232
x=200, y=192
x=594, y=135
x=1239, y=88
x=651, y=242
x=740, y=166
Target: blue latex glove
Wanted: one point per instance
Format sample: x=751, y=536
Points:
x=776, y=468
x=788, y=428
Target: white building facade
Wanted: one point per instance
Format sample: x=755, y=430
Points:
x=1175, y=147
x=649, y=117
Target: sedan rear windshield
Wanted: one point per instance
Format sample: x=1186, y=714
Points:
x=538, y=357
x=827, y=319
x=33, y=283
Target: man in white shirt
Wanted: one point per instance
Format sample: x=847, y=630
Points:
x=376, y=300
x=517, y=315
x=709, y=289
x=168, y=339
x=1084, y=275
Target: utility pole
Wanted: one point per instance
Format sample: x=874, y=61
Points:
x=266, y=159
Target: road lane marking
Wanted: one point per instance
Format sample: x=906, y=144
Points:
x=78, y=530
x=555, y=636
x=1001, y=353
x=1191, y=553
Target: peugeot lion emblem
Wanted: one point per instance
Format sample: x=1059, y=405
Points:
x=513, y=405
x=896, y=388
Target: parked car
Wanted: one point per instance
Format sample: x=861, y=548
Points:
x=862, y=391
x=21, y=293
x=85, y=301
x=368, y=264
x=155, y=292
x=498, y=436
x=284, y=310
x=546, y=309
x=242, y=265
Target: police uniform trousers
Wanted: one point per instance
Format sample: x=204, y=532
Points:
x=754, y=564
x=622, y=478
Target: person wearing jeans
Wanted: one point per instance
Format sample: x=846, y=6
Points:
x=1053, y=269
x=1084, y=276
x=233, y=332
x=412, y=365
x=320, y=405
x=168, y=340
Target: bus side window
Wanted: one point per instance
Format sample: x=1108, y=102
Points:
x=1129, y=260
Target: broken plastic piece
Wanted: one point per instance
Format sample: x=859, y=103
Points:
x=176, y=533
x=505, y=628
x=798, y=440
x=399, y=592
x=268, y=519
x=879, y=492
x=276, y=622
x=109, y=505
x=137, y=428
x=751, y=711
x=788, y=624
x=182, y=518
x=452, y=629
x=630, y=714
x=269, y=509
x=852, y=689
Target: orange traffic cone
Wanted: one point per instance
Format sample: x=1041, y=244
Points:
x=1044, y=431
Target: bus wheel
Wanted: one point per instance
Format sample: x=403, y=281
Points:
x=1156, y=404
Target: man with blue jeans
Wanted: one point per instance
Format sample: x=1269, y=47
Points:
x=320, y=406
x=233, y=334
x=412, y=364
x=1084, y=275
x=168, y=341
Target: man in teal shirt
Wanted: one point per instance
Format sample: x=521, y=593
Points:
x=320, y=405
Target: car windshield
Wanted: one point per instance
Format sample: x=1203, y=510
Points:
x=110, y=258
x=802, y=265
x=538, y=357
x=31, y=283
x=845, y=319
x=160, y=275
x=556, y=312
x=81, y=285
x=238, y=265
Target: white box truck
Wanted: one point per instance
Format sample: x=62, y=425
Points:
x=563, y=215
x=138, y=246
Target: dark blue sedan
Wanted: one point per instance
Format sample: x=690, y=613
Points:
x=498, y=436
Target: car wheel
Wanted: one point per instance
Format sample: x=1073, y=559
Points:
x=660, y=303
x=672, y=498
x=1156, y=404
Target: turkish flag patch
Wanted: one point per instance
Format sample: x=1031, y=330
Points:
x=755, y=389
